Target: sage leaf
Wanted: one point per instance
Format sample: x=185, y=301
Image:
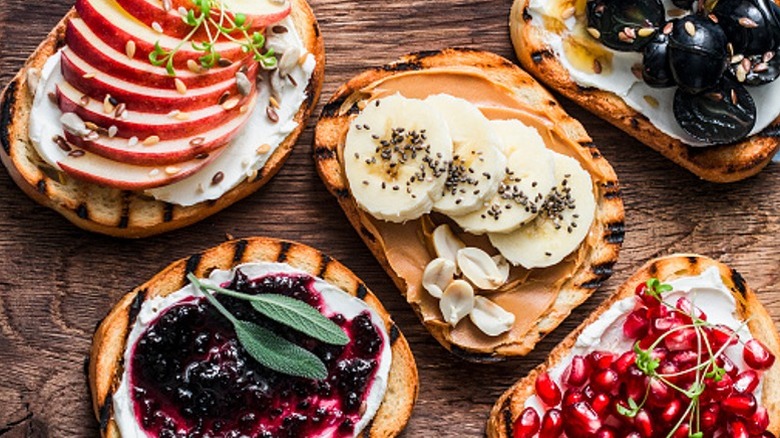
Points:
x=277, y=353
x=300, y=316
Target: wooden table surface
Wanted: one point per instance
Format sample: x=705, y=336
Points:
x=57, y=282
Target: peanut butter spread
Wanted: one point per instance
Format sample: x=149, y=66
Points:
x=528, y=294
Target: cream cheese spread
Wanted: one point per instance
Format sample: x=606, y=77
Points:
x=706, y=291
x=238, y=161
x=334, y=298
x=621, y=81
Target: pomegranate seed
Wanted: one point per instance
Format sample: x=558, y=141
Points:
x=632, y=434
x=721, y=335
x=600, y=404
x=657, y=312
x=746, y=381
x=636, y=383
x=667, y=369
x=571, y=396
x=636, y=324
x=682, y=432
x=685, y=359
x=527, y=424
x=689, y=309
x=644, y=423
x=548, y=390
x=605, y=381
x=578, y=372
x=757, y=356
x=646, y=299
x=717, y=390
x=605, y=432
x=758, y=422
x=601, y=360
x=710, y=416
x=659, y=354
x=681, y=340
x=743, y=405
x=624, y=361
x=660, y=393
x=671, y=413
x=580, y=420
x=724, y=362
x=737, y=429
x=552, y=424
x=588, y=392
x=665, y=324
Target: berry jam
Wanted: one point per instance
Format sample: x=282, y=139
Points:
x=191, y=377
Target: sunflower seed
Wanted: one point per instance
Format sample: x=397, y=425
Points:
x=690, y=28
x=289, y=60
x=181, y=87
x=151, y=140
x=747, y=23
x=157, y=28
x=243, y=84
x=112, y=131
x=230, y=104
x=130, y=49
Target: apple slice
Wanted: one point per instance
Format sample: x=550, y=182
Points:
x=98, y=170
x=165, y=152
x=83, y=42
x=145, y=125
x=137, y=97
x=259, y=13
x=116, y=27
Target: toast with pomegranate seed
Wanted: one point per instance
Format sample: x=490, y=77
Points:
x=109, y=342
x=722, y=163
x=408, y=246
x=131, y=213
x=505, y=417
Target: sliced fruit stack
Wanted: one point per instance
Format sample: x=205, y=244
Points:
x=684, y=377
x=710, y=54
x=149, y=95
x=405, y=158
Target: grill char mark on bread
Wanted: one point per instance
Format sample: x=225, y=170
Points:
x=106, y=359
x=500, y=423
x=332, y=127
x=113, y=212
x=726, y=163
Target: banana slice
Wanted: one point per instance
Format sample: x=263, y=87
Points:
x=396, y=156
x=478, y=162
x=530, y=175
x=562, y=224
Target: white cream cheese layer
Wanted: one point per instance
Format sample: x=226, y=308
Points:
x=622, y=82
x=335, y=300
x=706, y=291
x=239, y=160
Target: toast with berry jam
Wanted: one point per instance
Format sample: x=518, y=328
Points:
x=107, y=360
x=128, y=212
x=554, y=384
x=721, y=163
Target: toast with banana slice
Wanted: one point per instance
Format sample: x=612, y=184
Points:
x=533, y=35
x=744, y=343
x=77, y=175
x=146, y=316
x=490, y=208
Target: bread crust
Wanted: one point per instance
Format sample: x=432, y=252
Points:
x=108, y=344
x=330, y=134
x=510, y=404
x=125, y=213
x=721, y=164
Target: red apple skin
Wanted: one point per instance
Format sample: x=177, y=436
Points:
x=112, y=33
x=145, y=125
x=143, y=98
x=150, y=11
x=84, y=43
x=178, y=151
x=97, y=170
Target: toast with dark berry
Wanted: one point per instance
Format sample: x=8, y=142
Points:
x=257, y=337
x=694, y=81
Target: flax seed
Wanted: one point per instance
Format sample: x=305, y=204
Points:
x=272, y=115
x=218, y=177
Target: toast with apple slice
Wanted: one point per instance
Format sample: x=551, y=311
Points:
x=108, y=358
x=491, y=311
x=531, y=37
x=719, y=300
x=117, y=176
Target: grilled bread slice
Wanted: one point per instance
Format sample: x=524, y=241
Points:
x=329, y=139
x=108, y=345
x=124, y=213
x=722, y=164
x=511, y=403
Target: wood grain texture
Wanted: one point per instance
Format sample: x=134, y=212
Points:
x=57, y=282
